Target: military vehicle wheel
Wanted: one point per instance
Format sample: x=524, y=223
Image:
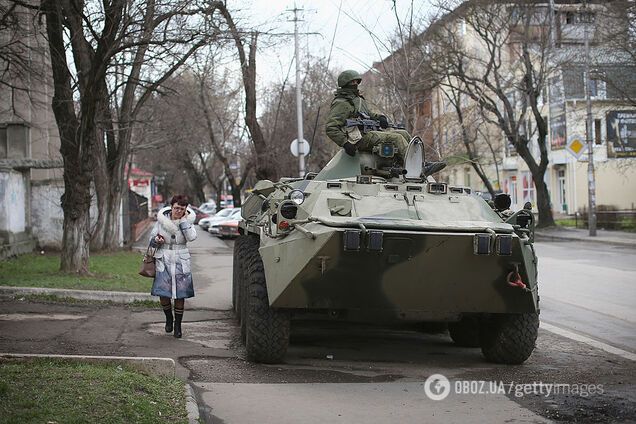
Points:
x=509, y=338
x=465, y=333
x=266, y=329
x=237, y=274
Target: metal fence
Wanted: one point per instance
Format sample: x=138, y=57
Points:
x=135, y=214
x=608, y=219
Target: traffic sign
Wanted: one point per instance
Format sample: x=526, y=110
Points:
x=294, y=147
x=576, y=146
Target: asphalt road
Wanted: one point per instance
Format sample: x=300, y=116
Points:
x=352, y=374
x=589, y=289
x=365, y=374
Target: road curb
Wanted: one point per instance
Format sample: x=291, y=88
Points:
x=551, y=237
x=192, y=407
x=156, y=366
x=112, y=296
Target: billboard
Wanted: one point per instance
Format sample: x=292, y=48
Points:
x=621, y=133
x=558, y=131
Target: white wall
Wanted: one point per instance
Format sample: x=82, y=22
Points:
x=47, y=218
x=12, y=198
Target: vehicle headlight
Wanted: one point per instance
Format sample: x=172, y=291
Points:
x=297, y=196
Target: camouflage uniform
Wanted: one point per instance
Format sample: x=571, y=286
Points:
x=347, y=103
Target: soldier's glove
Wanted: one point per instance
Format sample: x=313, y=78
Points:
x=349, y=148
x=384, y=123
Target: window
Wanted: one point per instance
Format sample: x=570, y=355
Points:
x=528, y=187
x=597, y=89
x=572, y=18
x=3, y=142
x=586, y=17
x=561, y=192
x=467, y=177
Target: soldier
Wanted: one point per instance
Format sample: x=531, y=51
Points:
x=348, y=103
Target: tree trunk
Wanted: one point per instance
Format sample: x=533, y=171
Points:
x=264, y=166
x=75, y=148
x=236, y=195
x=538, y=174
x=75, y=241
x=113, y=221
x=100, y=179
x=546, y=219
x=468, y=144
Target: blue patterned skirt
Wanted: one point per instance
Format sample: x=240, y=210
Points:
x=174, y=274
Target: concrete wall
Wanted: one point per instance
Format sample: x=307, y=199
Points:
x=46, y=214
x=15, y=237
x=13, y=193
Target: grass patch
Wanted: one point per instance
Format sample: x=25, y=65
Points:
x=51, y=298
x=110, y=271
x=623, y=224
x=44, y=390
x=570, y=223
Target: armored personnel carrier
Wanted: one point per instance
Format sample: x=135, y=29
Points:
x=365, y=240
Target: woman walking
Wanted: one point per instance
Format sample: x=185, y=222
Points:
x=173, y=279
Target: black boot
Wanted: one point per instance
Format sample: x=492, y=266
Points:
x=178, y=316
x=167, y=309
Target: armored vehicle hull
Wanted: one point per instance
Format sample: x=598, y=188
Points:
x=357, y=247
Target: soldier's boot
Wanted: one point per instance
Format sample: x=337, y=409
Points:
x=178, y=316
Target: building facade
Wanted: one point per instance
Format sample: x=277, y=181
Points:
x=562, y=103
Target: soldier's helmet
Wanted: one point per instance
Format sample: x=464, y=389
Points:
x=347, y=76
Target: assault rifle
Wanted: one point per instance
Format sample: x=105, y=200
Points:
x=366, y=124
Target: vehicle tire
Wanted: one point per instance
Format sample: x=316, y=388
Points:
x=266, y=329
x=465, y=333
x=249, y=248
x=237, y=276
x=509, y=338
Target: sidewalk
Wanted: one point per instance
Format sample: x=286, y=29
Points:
x=616, y=238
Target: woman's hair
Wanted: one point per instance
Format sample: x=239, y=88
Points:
x=181, y=199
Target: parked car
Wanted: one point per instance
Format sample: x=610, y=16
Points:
x=214, y=228
x=221, y=215
x=229, y=229
x=199, y=214
x=208, y=207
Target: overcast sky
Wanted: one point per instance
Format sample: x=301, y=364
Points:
x=353, y=47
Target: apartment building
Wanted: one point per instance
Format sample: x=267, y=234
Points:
x=30, y=163
x=561, y=102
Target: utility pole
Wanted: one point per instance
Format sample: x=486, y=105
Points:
x=551, y=23
x=299, y=100
x=591, y=183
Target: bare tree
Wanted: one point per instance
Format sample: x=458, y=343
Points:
x=503, y=66
x=159, y=39
x=221, y=122
x=614, y=58
x=396, y=82
x=280, y=130
x=19, y=45
x=196, y=127
x=264, y=167
x=469, y=122
x=112, y=44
